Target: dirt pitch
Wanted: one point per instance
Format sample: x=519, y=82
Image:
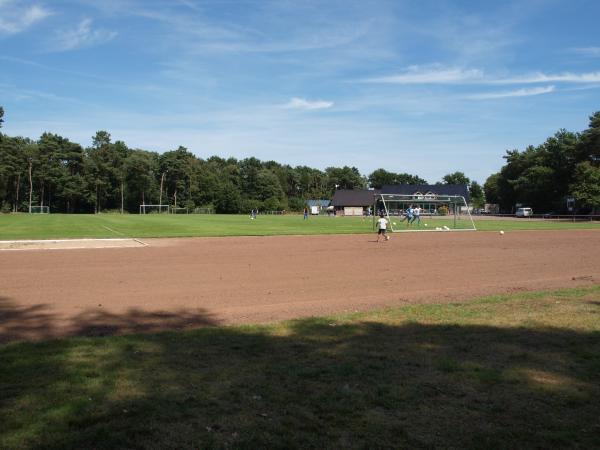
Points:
x=186, y=283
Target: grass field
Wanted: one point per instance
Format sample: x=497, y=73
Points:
x=521, y=371
x=53, y=226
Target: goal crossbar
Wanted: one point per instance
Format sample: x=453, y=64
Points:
x=395, y=205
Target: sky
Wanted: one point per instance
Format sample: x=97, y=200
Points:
x=424, y=87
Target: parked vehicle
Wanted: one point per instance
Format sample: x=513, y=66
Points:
x=524, y=212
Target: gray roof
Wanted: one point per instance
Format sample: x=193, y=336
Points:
x=358, y=197
x=438, y=189
x=322, y=203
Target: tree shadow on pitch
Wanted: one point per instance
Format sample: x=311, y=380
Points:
x=313, y=384
x=39, y=322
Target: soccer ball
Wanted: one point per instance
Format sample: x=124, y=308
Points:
x=425, y=224
x=501, y=232
x=387, y=238
x=394, y=223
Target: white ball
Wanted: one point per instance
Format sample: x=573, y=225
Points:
x=501, y=232
x=394, y=223
x=425, y=224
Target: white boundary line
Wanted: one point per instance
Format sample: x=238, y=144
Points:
x=33, y=241
x=113, y=231
x=434, y=231
x=47, y=244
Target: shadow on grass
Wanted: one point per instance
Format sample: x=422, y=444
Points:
x=38, y=322
x=306, y=384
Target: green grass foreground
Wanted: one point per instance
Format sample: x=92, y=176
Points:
x=55, y=226
x=520, y=371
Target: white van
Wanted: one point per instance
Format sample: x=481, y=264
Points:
x=524, y=212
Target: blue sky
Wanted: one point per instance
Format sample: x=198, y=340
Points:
x=425, y=87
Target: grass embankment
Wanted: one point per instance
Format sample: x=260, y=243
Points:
x=55, y=226
x=503, y=372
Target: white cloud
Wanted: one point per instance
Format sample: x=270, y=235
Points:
x=301, y=103
x=441, y=75
x=83, y=36
x=14, y=19
x=592, y=52
x=430, y=75
x=525, y=92
x=566, y=77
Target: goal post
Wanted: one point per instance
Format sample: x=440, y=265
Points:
x=179, y=210
x=153, y=209
x=430, y=212
x=39, y=210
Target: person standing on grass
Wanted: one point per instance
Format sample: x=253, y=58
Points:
x=417, y=215
x=305, y=213
x=382, y=228
x=409, y=215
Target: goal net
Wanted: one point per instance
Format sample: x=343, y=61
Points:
x=39, y=210
x=424, y=212
x=179, y=210
x=153, y=209
x=203, y=211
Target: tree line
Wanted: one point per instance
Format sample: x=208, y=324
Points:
x=110, y=176
x=566, y=166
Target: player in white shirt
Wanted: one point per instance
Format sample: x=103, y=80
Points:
x=417, y=215
x=382, y=228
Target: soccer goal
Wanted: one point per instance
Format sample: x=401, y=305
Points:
x=153, y=209
x=179, y=210
x=424, y=212
x=39, y=210
x=203, y=210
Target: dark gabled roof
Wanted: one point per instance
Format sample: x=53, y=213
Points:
x=438, y=189
x=322, y=203
x=347, y=197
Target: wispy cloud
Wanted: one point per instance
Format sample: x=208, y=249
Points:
x=15, y=19
x=591, y=52
x=82, y=36
x=525, y=92
x=303, y=104
x=443, y=75
x=12, y=92
x=430, y=75
x=538, y=77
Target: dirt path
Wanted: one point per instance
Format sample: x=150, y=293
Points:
x=181, y=283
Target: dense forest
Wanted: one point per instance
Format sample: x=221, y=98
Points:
x=110, y=176
x=566, y=165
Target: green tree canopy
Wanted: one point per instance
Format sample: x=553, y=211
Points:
x=476, y=193
x=586, y=186
x=381, y=177
x=456, y=178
